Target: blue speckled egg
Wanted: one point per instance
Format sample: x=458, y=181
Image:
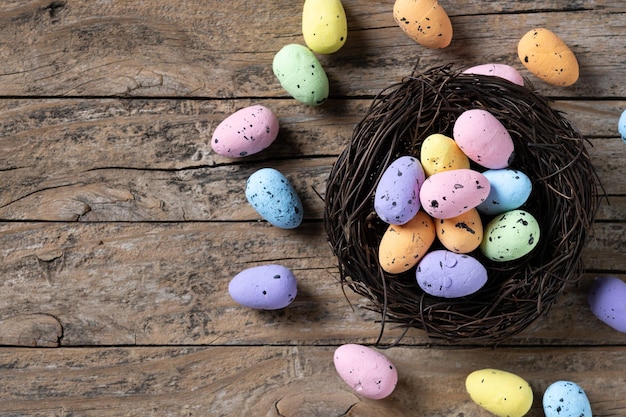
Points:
x=621, y=125
x=509, y=190
x=566, y=399
x=274, y=198
x=447, y=274
x=266, y=287
x=396, y=200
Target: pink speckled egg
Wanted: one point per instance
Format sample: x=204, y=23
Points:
x=368, y=372
x=245, y=132
x=497, y=70
x=451, y=193
x=483, y=139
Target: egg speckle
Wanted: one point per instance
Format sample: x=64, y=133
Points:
x=272, y=196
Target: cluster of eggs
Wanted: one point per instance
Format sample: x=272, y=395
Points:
x=442, y=197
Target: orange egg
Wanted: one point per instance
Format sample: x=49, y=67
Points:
x=545, y=55
x=461, y=234
x=424, y=21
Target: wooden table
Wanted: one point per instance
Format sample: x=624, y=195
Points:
x=120, y=229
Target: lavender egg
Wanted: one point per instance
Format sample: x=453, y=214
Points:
x=396, y=200
x=265, y=287
x=606, y=298
x=442, y=273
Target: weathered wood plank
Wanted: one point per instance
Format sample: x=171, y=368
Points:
x=145, y=48
x=287, y=381
x=167, y=283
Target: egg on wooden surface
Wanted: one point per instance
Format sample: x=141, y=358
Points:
x=510, y=189
x=272, y=196
x=446, y=274
x=301, y=74
x=510, y=235
x=500, y=392
x=566, y=399
x=482, y=137
x=621, y=125
x=396, y=199
x=451, y=193
x=546, y=55
x=403, y=246
x=462, y=233
x=245, y=132
x=607, y=300
x=368, y=372
x=497, y=70
x=324, y=25
x=424, y=21
x=265, y=287
x=440, y=153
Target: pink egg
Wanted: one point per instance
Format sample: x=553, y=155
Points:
x=451, y=193
x=483, y=139
x=245, y=132
x=497, y=70
x=368, y=372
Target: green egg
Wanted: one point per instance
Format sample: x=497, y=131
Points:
x=301, y=74
x=510, y=236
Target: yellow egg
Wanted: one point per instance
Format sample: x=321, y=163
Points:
x=460, y=234
x=324, y=25
x=424, y=21
x=544, y=54
x=403, y=246
x=500, y=392
x=439, y=153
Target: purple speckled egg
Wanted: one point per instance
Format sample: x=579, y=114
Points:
x=396, y=200
x=265, y=287
x=607, y=299
x=442, y=273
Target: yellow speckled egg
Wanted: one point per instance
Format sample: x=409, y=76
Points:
x=439, y=153
x=544, y=54
x=424, y=21
x=403, y=246
x=460, y=234
x=324, y=25
x=500, y=392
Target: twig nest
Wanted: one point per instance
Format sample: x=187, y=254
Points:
x=564, y=199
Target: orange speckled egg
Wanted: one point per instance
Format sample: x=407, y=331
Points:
x=403, y=246
x=460, y=234
x=545, y=55
x=424, y=21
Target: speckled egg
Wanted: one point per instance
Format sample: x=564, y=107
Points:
x=396, y=200
x=509, y=190
x=266, y=287
x=368, y=372
x=510, y=236
x=482, y=137
x=607, y=299
x=621, y=125
x=272, y=196
x=301, y=74
x=245, y=132
x=442, y=273
x=546, y=55
x=403, y=246
x=424, y=21
x=324, y=25
x=440, y=153
x=502, y=393
x=566, y=399
x=497, y=70
x=449, y=194
x=462, y=233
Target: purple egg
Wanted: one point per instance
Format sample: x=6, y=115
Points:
x=447, y=274
x=266, y=287
x=607, y=299
x=396, y=200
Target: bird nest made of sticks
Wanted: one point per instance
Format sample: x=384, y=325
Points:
x=564, y=200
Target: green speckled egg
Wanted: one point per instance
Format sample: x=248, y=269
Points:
x=301, y=74
x=510, y=236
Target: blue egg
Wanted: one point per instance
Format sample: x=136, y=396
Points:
x=265, y=287
x=396, y=200
x=274, y=198
x=621, y=125
x=509, y=190
x=566, y=399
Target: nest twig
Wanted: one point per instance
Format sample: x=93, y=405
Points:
x=564, y=200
